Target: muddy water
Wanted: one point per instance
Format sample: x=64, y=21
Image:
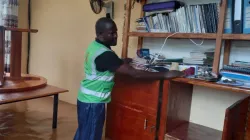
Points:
x=32, y=120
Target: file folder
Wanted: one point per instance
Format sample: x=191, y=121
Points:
x=228, y=26
x=246, y=17
x=238, y=22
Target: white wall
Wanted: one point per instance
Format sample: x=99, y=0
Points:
x=208, y=105
x=65, y=28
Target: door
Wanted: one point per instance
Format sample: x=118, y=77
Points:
x=131, y=115
x=236, y=121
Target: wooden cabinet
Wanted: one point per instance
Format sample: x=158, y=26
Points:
x=132, y=114
x=149, y=110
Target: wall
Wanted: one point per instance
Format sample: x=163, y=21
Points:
x=208, y=105
x=65, y=30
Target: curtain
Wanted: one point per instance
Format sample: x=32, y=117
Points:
x=8, y=18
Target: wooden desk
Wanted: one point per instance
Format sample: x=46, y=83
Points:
x=213, y=85
x=48, y=90
x=160, y=110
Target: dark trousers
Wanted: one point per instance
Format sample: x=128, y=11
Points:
x=91, y=117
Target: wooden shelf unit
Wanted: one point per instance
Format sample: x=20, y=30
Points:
x=219, y=37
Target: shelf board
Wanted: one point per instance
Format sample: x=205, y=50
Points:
x=213, y=85
x=21, y=30
x=236, y=36
x=191, y=35
x=192, y=131
x=178, y=35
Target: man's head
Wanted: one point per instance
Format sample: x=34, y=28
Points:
x=106, y=31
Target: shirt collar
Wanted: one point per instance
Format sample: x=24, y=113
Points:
x=98, y=41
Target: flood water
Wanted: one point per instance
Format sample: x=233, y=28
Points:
x=32, y=120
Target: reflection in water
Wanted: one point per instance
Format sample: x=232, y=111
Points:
x=32, y=120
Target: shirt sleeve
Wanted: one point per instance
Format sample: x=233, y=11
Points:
x=108, y=61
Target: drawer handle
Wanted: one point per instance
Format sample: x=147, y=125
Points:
x=145, y=124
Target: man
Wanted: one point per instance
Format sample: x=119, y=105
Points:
x=100, y=65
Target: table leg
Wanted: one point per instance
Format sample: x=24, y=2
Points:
x=55, y=111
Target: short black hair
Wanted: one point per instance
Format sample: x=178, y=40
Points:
x=103, y=24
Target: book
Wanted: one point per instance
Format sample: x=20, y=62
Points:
x=201, y=18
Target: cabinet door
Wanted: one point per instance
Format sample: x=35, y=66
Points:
x=235, y=123
x=131, y=115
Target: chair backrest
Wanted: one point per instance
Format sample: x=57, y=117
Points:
x=236, y=121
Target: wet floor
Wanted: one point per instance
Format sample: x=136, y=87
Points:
x=32, y=120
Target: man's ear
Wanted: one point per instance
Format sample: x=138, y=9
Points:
x=100, y=36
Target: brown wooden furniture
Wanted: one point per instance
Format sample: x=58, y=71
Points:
x=15, y=86
x=219, y=36
x=48, y=90
x=158, y=110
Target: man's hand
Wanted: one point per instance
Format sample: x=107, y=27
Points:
x=139, y=74
x=127, y=60
x=174, y=74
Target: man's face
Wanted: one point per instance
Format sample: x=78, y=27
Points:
x=110, y=36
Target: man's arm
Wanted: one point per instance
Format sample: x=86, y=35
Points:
x=111, y=62
x=129, y=70
x=127, y=60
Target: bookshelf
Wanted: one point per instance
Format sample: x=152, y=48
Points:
x=160, y=110
x=219, y=36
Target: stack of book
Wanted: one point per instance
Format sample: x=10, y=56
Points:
x=242, y=64
x=237, y=71
x=201, y=18
x=200, y=57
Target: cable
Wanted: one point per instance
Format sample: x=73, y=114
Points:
x=163, y=45
x=196, y=43
x=166, y=41
x=29, y=24
x=174, y=34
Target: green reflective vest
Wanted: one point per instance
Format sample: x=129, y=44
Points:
x=96, y=86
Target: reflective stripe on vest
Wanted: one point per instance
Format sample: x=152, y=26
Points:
x=100, y=78
x=94, y=93
x=93, y=63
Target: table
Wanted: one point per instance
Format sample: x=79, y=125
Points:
x=46, y=91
